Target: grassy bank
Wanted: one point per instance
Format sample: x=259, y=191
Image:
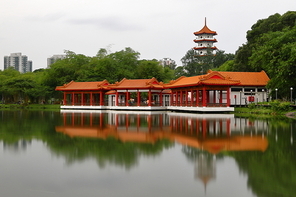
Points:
x=271, y=109
x=30, y=106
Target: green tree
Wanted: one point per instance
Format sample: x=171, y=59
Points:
x=148, y=69
x=273, y=23
x=127, y=62
x=278, y=58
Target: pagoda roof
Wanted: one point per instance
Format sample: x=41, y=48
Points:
x=137, y=84
x=205, y=39
x=213, y=47
x=205, y=30
x=95, y=85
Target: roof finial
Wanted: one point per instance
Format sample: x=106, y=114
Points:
x=205, y=21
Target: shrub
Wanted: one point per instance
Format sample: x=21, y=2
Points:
x=277, y=106
x=252, y=106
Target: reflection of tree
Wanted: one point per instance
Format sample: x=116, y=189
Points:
x=104, y=151
x=41, y=125
x=271, y=173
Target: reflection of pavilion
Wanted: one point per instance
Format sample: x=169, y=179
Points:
x=205, y=132
x=211, y=134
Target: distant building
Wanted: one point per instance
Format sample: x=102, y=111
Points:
x=19, y=62
x=54, y=58
x=205, y=40
x=168, y=62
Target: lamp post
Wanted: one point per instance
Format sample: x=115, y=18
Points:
x=251, y=96
x=276, y=93
x=262, y=95
x=240, y=98
x=291, y=93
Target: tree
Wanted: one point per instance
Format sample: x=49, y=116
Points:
x=148, y=69
x=190, y=64
x=127, y=62
x=194, y=64
x=273, y=23
x=278, y=58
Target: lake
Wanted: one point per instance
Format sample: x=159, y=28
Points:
x=165, y=154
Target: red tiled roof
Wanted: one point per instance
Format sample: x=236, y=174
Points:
x=222, y=78
x=184, y=81
x=137, y=84
x=248, y=78
x=97, y=85
x=206, y=39
x=205, y=30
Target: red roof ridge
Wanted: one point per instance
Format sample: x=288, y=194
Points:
x=67, y=84
x=173, y=81
x=211, y=74
x=205, y=30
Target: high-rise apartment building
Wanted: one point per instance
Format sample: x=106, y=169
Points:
x=19, y=62
x=54, y=58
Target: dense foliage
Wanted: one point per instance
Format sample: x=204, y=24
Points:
x=271, y=46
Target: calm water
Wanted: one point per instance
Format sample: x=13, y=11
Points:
x=124, y=154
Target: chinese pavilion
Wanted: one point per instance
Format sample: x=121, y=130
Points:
x=212, y=92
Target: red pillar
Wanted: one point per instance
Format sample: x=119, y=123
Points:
x=228, y=96
x=116, y=98
x=197, y=98
x=73, y=99
x=149, y=98
x=171, y=98
x=126, y=98
x=181, y=98
x=91, y=99
x=204, y=96
x=82, y=99
x=160, y=99
x=65, y=99
x=101, y=98
x=221, y=101
x=138, y=98
x=192, y=97
x=186, y=98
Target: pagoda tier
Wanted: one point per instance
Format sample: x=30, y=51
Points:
x=197, y=40
x=205, y=48
x=205, y=40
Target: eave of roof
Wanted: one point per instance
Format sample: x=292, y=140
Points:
x=137, y=84
x=205, y=30
x=83, y=86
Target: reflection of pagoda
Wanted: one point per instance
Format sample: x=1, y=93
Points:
x=205, y=168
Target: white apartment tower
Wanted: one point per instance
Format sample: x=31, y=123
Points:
x=54, y=58
x=19, y=62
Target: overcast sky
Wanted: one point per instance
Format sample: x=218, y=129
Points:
x=155, y=28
